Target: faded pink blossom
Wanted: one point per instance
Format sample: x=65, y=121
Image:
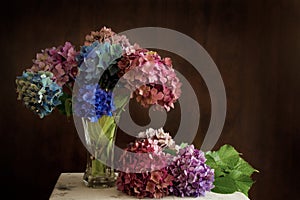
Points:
x=107, y=35
x=168, y=61
x=152, y=81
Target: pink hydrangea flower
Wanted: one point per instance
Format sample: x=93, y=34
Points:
x=107, y=35
x=152, y=80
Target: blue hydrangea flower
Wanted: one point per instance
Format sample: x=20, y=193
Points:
x=84, y=52
x=38, y=92
x=92, y=103
x=192, y=177
x=95, y=59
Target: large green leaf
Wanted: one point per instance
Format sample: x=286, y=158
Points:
x=244, y=167
x=224, y=185
x=232, y=172
x=243, y=182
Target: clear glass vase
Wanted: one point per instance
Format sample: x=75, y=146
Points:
x=100, y=140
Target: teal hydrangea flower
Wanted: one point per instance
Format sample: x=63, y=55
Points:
x=38, y=92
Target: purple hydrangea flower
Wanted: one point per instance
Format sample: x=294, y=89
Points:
x=192, y=177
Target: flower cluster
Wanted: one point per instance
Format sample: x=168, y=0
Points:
x=163, y=139
x=192, y=177
x=93, y=102
x=152, y=179
x=143, y=155
x=95, y=63
x=104, y=59
x=186, y=171
x=148, y=184
x=153, y=81
x=106, y=35
x=107, y=57
x=61, y=61
x=38, y=92
x=103, y=35
x=100, y=55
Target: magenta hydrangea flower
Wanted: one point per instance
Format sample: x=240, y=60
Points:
x=192, y=177
x=152, y=81
x=61, y=61
x=147, y=183
x=129, y=61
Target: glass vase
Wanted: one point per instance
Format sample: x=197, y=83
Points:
x=100, y=140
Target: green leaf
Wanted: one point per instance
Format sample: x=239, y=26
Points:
x=66, y=104
x=224, y=185
x=228, y=156
x=242, y=181
x=245, y=167
x=170, y=151
x=113, y=70
x=68, y=107
x=102, y=134
x=231, y=170
x=102, y=130
x=104, y=124
x=183, y=145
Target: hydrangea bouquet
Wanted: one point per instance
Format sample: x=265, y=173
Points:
x=82, y=82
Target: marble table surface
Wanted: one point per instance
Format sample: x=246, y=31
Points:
x=70, y=186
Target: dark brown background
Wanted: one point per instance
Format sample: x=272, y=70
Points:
x=255, y=44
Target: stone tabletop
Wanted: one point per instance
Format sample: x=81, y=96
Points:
x=70, y=186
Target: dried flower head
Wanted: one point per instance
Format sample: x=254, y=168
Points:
x=147, y=183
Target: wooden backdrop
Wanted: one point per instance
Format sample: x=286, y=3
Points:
x=255, y=44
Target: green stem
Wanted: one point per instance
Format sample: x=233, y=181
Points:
x=121, y=109
x=69, y=87
x=98, y=168
x=102, y=137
